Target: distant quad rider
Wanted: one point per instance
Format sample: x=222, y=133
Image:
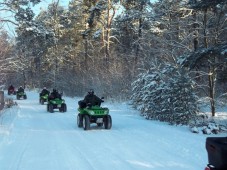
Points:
x=44, y=92
x=21, y=89
x=54, y=94
x=90, y=100
x=11, y=88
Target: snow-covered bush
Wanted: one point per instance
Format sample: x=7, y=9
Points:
x=142, y=87
x=137, y=94
x=166, y=95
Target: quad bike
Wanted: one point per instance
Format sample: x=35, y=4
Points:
x=56, y=103
x=11, y=91
x=43, y=98
x=217, y=153
x=21, y=95
x=94, y=114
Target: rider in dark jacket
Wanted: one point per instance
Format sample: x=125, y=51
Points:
x=11, y=90
x=91, y=99
x=21, y=89
x=44, y=92
x=54, y=94
x=11, y=87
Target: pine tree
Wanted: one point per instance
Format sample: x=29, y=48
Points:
x=167, y=95
x=180, y=101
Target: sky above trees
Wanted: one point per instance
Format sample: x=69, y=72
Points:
x=44, y=4
x=36, y=9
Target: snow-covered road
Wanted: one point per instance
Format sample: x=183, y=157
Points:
x=33, y=139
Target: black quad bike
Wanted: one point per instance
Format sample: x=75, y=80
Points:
x=217, y=153
x=94, y=114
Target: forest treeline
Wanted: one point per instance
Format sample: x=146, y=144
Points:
x=123, y=49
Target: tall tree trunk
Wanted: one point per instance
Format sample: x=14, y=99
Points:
x=195, y=27
x=196, y=40
x=205, y=29
x=55, y=52
x=212, y=89
x=211, y=75
x=135, y=62
x=24, y=79
x=107, y=35
x=85, y=67
x=138, y=42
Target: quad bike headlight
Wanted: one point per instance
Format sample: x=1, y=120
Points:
x=91, y=112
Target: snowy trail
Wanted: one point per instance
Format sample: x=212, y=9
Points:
x=52, y=141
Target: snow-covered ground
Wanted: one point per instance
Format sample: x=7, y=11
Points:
x=33, y=139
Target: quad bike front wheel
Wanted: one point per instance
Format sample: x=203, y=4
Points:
x=63, y=107
x=79, y=121
x=51, y=108
x=41, y=101
x=86, y=122
x=108, y=122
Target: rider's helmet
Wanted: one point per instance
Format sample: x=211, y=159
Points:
x=91, y=92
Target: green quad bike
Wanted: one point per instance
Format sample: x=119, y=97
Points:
x=94, y=114
x=21, y=95
x=43, y=98
x=56, y=103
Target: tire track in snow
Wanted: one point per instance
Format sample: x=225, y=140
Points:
x=100, y=147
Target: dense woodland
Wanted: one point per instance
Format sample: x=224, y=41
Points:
x=166, y=56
